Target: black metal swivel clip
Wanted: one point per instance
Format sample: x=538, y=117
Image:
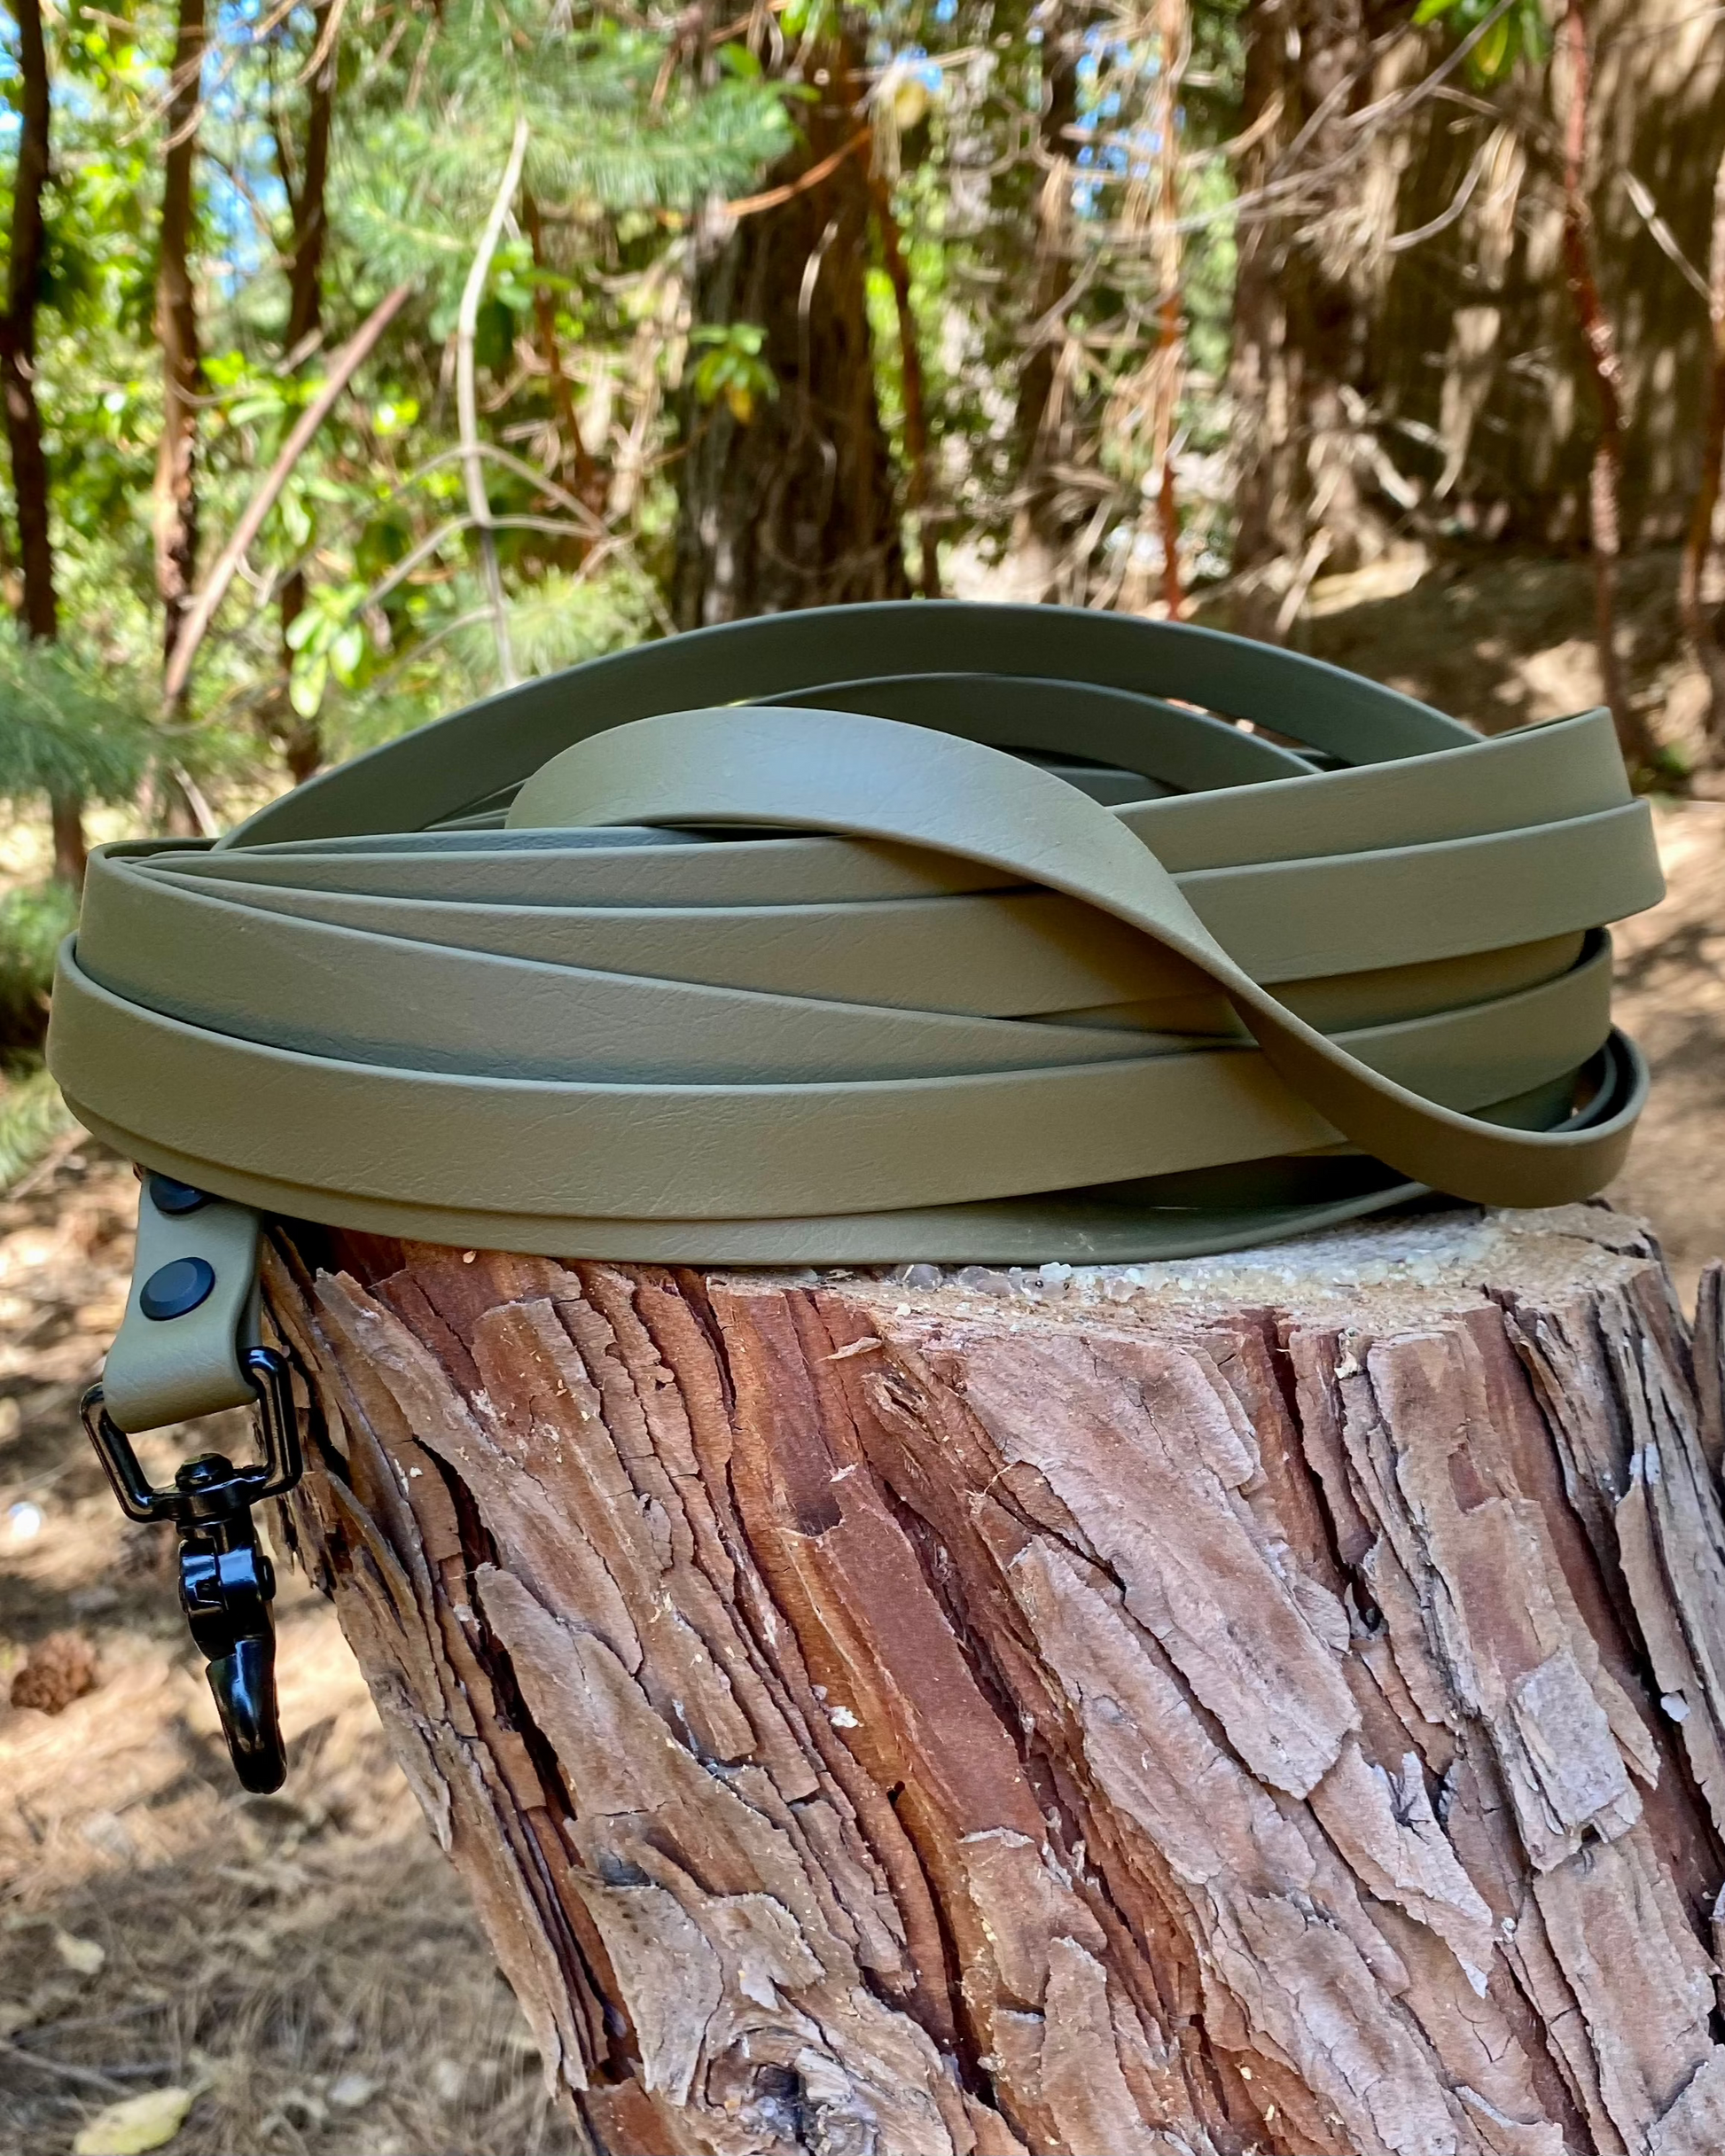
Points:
x=226, y=1581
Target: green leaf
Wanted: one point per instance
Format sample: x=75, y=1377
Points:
x=1494, y=51
x=261, y=405
x=226, y=370
x=1428, y=10
x=305, y=686
x=348, y=651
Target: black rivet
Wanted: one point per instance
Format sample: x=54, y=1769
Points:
x=174, y=1198
x=174, y=1288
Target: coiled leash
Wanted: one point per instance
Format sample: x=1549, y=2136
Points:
x=922, y=931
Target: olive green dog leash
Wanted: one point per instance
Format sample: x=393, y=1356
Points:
x=871, y=933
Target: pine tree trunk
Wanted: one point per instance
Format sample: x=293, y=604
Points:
x=306, y=183
x=1303, y=308
x=790, y=501
x=1699, y=604
x=1477, y=384
x=1634, y=735
x=176, y=327
x=1050, y=514
x=18, y=330
x=1266, y=1704
x=40, y=610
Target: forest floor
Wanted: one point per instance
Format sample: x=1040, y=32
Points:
x=303, y=1966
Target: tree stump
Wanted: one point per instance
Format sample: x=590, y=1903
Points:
x=1264, y=1703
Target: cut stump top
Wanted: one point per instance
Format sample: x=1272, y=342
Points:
x=1383, y=1275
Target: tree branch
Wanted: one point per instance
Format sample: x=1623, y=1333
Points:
x=747, y=205
x=1599, y=342
x=1701, y=629
x=467, y=402
x=18, y=386
x=182, y=381
x=1174, y=32
x=911, y=370
x=202, y=610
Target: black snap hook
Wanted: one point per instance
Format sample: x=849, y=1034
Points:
x=226, y=1581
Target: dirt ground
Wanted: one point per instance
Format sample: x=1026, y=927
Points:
x=304, y=1965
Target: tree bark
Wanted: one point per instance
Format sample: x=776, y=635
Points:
x=40, y=607
x=1146, y=409
x=1174, y=35
x=1477, y=381
x=1701, y=610
x=299, y=739
x=1302, y=309
x=17, y=331
x=793, y=506
x=913, y=387
x=176, y=327
x=1049, y=515
x=1634, y=736
x=308, y=199
x=1270, y=1703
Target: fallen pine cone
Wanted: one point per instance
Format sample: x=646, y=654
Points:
x=58, y=1670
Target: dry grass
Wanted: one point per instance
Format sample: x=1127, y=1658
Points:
x=306, y=1961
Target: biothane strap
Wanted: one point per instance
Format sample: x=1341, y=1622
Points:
x=752, y=946
x=173, y=1361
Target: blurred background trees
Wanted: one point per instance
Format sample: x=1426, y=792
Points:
x=360, y=357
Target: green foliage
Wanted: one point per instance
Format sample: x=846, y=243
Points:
x=34, y=921
x=1519, y=32
x=66, y=732
x=32, y=1116
x=326, y=639
x=564, y=619
x=730, y=366
x=980, y=250
x=633, y=123
x=625, y=139
x=606, y=138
